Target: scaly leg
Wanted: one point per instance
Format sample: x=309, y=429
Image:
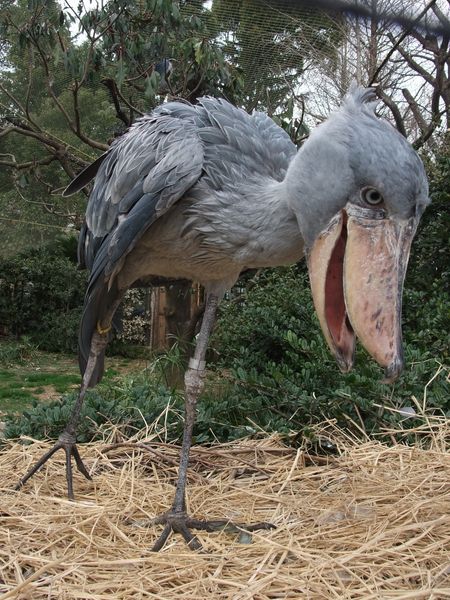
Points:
x=67, y=439
x=176, y=519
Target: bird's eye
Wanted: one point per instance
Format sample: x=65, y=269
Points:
x=371, y=196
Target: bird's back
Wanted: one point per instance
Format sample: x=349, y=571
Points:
x=212, y=146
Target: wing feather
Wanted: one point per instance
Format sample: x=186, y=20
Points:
x=84, y=177
x=145, y=173
x=241, y=148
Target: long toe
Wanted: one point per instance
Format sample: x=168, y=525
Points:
x=40, y=463
x=180, y=522
x=68, y=445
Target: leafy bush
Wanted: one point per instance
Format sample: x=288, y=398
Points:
x=133, y=404
x=271, y=346
x=272, y=371
x=430, y=251
x=280, y=371
x=272, y=368
x=41, y=295
x=59, y=332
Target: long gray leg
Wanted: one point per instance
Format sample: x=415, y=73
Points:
x=193, y=385
x=176, y=519
x=67, y=439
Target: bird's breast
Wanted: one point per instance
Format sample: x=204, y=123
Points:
x=206, y=239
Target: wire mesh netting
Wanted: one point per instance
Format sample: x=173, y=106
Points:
x=286, y=57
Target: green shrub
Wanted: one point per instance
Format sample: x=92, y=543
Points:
x=282, y=373
x=278, y=366
x=431, y=248
x=272, y=371
x=132, y=405
x=271, y=368
x=17, y=352
x=59, y=332
x=41, y=295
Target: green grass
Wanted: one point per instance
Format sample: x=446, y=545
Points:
x=28, y=374
x=58, y=381
x=18, y=387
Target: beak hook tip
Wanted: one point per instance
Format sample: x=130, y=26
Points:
x=345, y=366
x=393, y=371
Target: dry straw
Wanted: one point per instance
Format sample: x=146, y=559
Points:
x=370, y=522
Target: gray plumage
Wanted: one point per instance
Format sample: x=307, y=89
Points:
x=203, y=192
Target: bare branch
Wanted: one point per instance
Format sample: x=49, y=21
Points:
x=442, y=18
x=396, y=43
x=399, y=122
x=73, y=126
x=57, y=149
x=115, y=97
x=48, y=207
x=417, y=114
x=28, y=132
x=420, y=141
x=13, y=99
x=26, y=165
x=417, y=67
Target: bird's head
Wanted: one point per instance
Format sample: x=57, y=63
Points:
x=358, y=190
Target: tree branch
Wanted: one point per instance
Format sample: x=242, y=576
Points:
x=26, y=165
x=396, y=43
x=442, y=18
x=399, y=122
x=115, y=95
x=416, y=66
x=56, y=149
x=13, y=99
x=421, y=122
x=28, y=96
x=73, y=126
x=420, y=141
x=28, y=132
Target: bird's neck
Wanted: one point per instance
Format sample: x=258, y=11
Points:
x=317, y=183
x=275, y=238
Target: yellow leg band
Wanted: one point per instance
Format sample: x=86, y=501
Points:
x=101, y=330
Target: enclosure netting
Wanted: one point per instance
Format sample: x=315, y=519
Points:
x=274, y=46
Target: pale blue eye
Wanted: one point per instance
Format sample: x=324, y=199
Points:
x=372, y=196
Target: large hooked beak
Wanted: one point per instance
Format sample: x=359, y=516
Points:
x=357, y=267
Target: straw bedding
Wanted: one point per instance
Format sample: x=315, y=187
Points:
x=372, y=521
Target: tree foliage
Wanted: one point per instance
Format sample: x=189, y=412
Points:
x=269, y=43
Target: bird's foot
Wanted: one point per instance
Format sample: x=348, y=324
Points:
x=181, y=522
x=66, y=442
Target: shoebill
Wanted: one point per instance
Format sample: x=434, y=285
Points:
x=205, y=192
